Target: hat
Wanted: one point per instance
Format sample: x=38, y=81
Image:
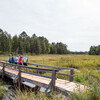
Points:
x=21, y=56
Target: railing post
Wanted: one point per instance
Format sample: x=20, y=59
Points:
x=72, y=74
x=53, y=79
x=19, y=76
x=37, y=69
x=3, y=70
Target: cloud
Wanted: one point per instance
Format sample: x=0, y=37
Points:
x=74, y=22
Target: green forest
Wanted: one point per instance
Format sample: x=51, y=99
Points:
x=94, y=50
x=25, y=44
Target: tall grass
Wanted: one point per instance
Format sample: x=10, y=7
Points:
x=92, y=79
x=2, y=90
x=75, y=61
x=88, y=73
x=39, y=96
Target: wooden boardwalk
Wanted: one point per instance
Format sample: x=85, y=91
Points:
x=60, y=84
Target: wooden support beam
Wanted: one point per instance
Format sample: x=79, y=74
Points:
x=71, y=73
x=53, y=79
x=3, y=70
x=51, y=85
x=19, y=75
x=37, y=69
x=29, y=84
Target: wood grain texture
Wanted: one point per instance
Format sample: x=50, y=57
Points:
x=60, y=83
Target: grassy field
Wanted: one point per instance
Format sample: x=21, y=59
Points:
x=75, y=61
x=87, y=71
x=82, y=63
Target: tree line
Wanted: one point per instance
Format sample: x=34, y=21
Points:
x=25, y=44
x=94, y=50
x=79, y=52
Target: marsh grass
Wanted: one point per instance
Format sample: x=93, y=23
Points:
x=2, y=90
x=91, y=78
x=75, y=61
x=39, y=96
x=88, y=73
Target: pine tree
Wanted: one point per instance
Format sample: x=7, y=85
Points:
x=38, y=46
x=15, y=42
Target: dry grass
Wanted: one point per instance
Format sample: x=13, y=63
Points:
x=88, y=73
x=75, y=61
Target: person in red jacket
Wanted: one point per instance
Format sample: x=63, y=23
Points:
x=20, y=60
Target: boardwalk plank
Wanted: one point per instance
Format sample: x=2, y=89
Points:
x=60, y=83
x=29, y=84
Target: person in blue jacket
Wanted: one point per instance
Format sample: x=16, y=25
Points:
x=12, y=59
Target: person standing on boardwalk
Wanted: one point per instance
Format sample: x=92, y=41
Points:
x=16, y=61
x=10, y=58
x=20, y=60
x=25, y=60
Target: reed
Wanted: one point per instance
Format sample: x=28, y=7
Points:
x=87, y=72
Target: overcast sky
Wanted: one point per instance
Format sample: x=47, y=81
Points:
x=73, y=22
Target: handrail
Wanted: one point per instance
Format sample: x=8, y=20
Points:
x=34, y=68
x=71, y=75
x=56, y=67
x=51, y=66
x=53, y=78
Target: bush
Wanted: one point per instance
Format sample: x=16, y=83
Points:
x=92, y=80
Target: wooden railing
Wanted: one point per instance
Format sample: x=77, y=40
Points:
x=71, y=75
x=53, y=71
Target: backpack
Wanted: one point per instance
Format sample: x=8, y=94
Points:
x=16, y=59
x=25, y=60
x=20, y=60
x=9, y=59
x=12, y=60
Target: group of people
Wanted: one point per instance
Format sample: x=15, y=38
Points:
x=17, y=60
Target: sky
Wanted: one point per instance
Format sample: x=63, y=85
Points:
x=73, y=22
